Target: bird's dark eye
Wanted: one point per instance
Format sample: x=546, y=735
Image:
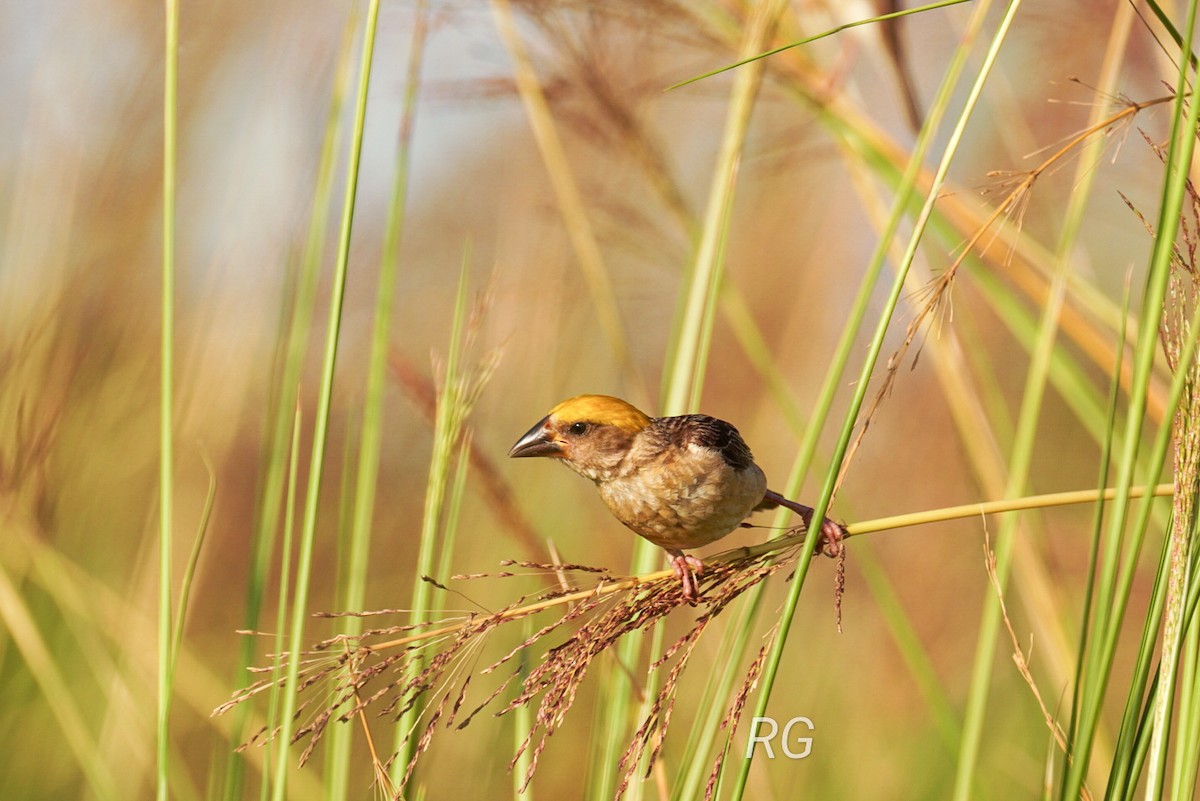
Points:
x=578, y=429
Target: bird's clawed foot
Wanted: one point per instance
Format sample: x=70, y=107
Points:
x=686, y=568
x=833, y=536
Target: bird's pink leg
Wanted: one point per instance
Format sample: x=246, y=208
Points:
x=832, y=533
x=686, y=568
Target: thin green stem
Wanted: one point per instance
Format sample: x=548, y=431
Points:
x=771, y=667
x=185, y=586
x=1097, y=528
x=1107, y=627
x=371, y=431
x=447, y=430
x=1134, y=742
x=832, y=31
x=295, y=327
x=324, y=402
x=683, y=379
x=1022, y=455
x=1187, y=755
x=285, y=576
x=166, y=491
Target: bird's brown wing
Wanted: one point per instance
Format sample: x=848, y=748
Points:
x=707, y=432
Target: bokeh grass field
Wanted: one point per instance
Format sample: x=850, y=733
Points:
x=535, y=217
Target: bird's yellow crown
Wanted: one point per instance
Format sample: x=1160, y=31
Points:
x=602, y=410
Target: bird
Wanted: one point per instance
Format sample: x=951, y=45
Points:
x=680, y=482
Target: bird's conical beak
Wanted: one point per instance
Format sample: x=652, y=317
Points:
x=538, y=441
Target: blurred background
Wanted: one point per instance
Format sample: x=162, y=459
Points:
x=80, y=200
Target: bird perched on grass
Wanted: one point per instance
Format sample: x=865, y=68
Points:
x=680, y=482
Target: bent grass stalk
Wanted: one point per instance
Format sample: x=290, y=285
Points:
x=646, y=600
x=810, y=39
x=946, y=514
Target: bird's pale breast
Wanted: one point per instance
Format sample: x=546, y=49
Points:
x=692, y=497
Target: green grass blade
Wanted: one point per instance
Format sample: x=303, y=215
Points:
x=1108, y=444
x=185, y=587
x=1129, y=758
x=370, y=438
x=295, y=327
x=683, y=376
x=808, y=40
x=451, y=409
x=698, y=751
x=371, y=431
x=1024, y=448
x=274, y=698
x=1187, y=756
x=1172, y=29
x=166, y=490
x=771, y=666
x=1108, y=624
x=905, y=188
x=321, y=423
x=1133, y=741
x=738, y=317
x=23, y=629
